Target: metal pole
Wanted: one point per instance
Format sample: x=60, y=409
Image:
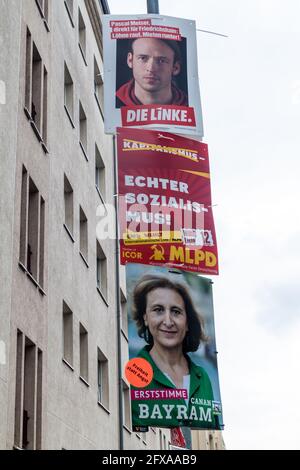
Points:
x=118, y=301
x=152, y=6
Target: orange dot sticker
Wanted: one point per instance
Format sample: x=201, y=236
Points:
x=138, y=372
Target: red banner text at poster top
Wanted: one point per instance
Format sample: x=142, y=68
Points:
x=165, y=201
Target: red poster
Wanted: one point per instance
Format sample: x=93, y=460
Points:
x=165, y=201
x=177, y=438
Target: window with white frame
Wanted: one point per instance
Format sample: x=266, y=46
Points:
x=83, y=353
x=32, y=229
x=83, y=130
x=69, y=205
x=101, y=270
x=36, y=84
x=28, y=394
x=67, y=334
x=103, y=379
x=83, y=234
x=43, y=6
x=124, y=318
x=82, y=35
x=98, y=86
x=126, y=405
x=69, y=93
x=99, y=173
x=69, y=4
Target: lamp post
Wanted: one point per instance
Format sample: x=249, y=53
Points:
x=152, y=6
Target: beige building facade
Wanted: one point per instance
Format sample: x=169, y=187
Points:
x=208, y=440
x=63, y=338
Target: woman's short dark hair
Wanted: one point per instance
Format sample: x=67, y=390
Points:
x=146, y=284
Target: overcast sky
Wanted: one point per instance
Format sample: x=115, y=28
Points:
x=250, y=91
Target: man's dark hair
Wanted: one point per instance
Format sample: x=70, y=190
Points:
x=169, y=42
x=146, y=284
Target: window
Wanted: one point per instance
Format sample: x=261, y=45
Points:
x=101, y=7
x=67, y=334
x=69, y=6
x=39, y=390
x=211, y=442
x=103, y=381
x=82, y=36
x=43, y=7
x=28, y=73
x=99, y=173
x=24, y=217
x=98, y=86
x=69, y=206
x=83, y=233
x=124, y=319
x=101, y=271
x=83, y=352
x=82, y=130
x=69, y=95
x=32, y=230
x=19, y=390
x=28, y=398
x=42, y=241
x=160, y=440
x=32, y=245
x=36, y=83
x=29, y=392
x=126, y=405
x=36, y=95
x=45, y=107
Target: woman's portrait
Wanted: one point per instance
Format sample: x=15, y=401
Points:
x=168, y=329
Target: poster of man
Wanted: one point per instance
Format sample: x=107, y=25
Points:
x=172, y=349
x=151, y=74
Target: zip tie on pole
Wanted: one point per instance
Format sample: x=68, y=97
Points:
x=160, y=136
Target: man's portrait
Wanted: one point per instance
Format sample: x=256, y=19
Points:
x=150, y=77
x=151, y=71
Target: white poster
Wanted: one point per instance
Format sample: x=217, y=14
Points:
x=151, y=74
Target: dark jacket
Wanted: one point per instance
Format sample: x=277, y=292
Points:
x=126, y=97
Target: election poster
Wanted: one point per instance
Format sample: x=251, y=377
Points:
x=165, y=207
x=151, y=74
x=172, y=370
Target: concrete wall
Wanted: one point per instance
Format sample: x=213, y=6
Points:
x=29, y=307
x=9, y=82
x=74, y=418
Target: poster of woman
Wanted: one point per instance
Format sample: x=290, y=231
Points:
x=172, y=341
